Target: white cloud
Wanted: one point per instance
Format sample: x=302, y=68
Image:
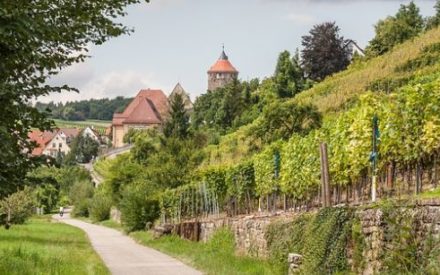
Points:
x=109, y=85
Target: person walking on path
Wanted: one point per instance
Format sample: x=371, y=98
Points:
x=61, y=211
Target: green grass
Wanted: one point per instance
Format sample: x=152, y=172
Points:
x=217, y=256
x=432, y=194
x=100, y=125
x=43, y=247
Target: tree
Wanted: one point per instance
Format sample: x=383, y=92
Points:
x=434, y=21
x=324, y=51
x=219, y=108
x=406, y=24
x=82, y=149
x=16, y=208
x=280, y=120
x=178, y=123
x=37, y=40
x=289, y=77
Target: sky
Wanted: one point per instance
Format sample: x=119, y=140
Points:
x=178, y=40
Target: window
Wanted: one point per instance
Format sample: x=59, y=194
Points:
x=54, y=145
x=61, y=145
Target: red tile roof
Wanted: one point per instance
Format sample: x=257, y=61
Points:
x=148, y=107
x=41, y=139
x=222, y=66
x=70, y=132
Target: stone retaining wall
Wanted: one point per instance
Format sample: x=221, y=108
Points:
x=250, y=231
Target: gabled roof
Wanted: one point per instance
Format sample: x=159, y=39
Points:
x=148, y=107
x=70, y=132
x=41, y=139
x=354, y=45
x=222, y=65
x=178, y=90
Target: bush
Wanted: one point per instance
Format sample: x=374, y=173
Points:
x=16, y=208
x=81, y=208
x=100, y=206
x=138, y=206
x=81, y=194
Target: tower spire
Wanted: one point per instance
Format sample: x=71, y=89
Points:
x=223, y=55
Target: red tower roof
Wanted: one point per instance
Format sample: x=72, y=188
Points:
x=222, y=65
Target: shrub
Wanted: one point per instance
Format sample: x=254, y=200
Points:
x=16, y=208
x=81, y=208
x=138, y=206
x=80, y=196
x=100, y=206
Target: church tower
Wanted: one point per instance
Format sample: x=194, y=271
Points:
x=221, y=73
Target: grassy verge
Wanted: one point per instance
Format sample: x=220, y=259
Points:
x=217, y=256
x=43, y=247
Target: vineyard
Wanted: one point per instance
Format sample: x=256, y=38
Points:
x=99, y=125
x=286, y=175
x=242, y=173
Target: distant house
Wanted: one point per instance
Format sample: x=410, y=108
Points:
x=178, y=90
x=91, y=133
x=41, y=139
x=147, y=110
x=354, y=48
x=51, y=143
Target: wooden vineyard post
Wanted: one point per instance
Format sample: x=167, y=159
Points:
x=325, y=177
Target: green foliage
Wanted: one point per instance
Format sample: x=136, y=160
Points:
x=321, y=238
x=300, y=170
x=47, y=197
x=405, y=251
x=240, y=181
x=289, y=77
x=324, y=51
x=286, y=237
x=138, y=206
x=358, y=245
x=406, y=24
x=280, y=120
x=82, y=150
x=99, y=109
x=336, y=92
x=264, y=165
x=39, y=39
x=225, y=107
x=177, y=124
x=434, y=21
x=81, y=195
x=100, y=206
x=16, y=208
x=120, y=172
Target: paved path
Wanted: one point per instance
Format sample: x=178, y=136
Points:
x=124, y=256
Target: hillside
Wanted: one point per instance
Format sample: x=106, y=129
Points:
x=384, y=73
x=339, y=92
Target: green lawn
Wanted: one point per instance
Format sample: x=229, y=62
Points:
x=214, y=257
x=43, y=247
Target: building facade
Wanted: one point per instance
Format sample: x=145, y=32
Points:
x=148, y=109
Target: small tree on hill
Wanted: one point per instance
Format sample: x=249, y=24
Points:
x=324, y=51
x=178, y=123
x=406, y=24
x=289, y=77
